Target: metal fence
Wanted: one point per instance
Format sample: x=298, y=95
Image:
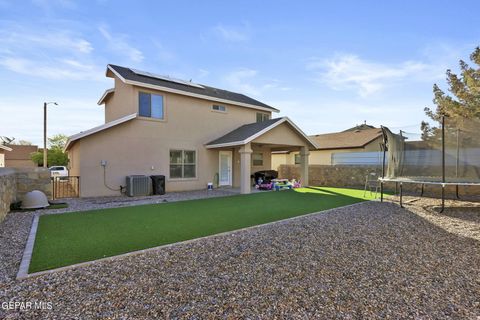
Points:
x=66, y=187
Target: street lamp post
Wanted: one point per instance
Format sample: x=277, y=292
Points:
x=45, y=131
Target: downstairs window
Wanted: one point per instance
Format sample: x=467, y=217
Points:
x=183, y=164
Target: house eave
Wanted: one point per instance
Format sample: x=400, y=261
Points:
x=105, y=95
x=94, y=130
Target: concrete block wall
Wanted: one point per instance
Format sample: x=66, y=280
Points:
x=8, y=190
x=354, y=177
x=16, y=182
x=332, y=176
x=29, y=179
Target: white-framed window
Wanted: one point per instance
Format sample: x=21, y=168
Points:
x=220, y=108
x=262, y=116
x=257, y=159
x=183, y=164
x=150, y=105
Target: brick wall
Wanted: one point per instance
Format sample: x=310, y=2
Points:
x=15, y=183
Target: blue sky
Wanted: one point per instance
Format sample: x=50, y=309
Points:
x=327, y=65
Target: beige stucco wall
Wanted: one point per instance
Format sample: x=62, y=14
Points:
x=122, y=102
x=74, y=159
x=281, y=135
x=2, y=159
x=199, y=117
x=279, y=159
x=142, y=145
x=131, y=149
x=322, y=157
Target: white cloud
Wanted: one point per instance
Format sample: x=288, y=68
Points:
x=239, y=80
x=22, y=39
x=52, y=54
x=56, y=70
x=348, y=71
x=119, y=44
x=248, y=82
x=232, y=34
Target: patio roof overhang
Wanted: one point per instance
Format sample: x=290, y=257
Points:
x=281, y=133
x=278, y=134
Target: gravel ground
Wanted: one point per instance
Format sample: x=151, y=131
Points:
x=370, y=260
x=15, y=228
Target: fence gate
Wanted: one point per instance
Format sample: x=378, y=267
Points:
x=65, y=187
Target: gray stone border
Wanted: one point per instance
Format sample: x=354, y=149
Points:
x=27, y=254
x=23, y=271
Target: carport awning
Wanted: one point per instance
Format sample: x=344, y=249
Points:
x=249, y=132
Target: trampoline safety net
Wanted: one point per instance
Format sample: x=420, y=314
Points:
x=452, y=154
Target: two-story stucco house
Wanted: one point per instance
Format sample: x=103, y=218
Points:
x=191, y=133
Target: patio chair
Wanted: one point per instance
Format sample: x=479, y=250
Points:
x=371, y=183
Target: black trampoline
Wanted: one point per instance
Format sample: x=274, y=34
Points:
x=449, y=157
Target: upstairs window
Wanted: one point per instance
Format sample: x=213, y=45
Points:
x=150, y=105
x=219, y=108
x=262, y=116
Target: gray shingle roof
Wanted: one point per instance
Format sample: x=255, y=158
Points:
x=244, y=132
x=346, y=139
x=128, y=74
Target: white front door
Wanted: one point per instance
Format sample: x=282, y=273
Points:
x=225, y=168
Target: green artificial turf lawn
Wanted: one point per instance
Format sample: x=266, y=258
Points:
x=69, y=238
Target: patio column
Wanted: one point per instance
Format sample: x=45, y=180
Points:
x=304, y=153
x=245, y=164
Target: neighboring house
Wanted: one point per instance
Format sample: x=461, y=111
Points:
x=3, y=149
x=193, y=134
x=17, y=156
x=363, y=138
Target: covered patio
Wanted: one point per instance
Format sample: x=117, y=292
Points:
x=260, y=138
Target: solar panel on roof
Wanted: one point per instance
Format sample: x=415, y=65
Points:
x=166, y=78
